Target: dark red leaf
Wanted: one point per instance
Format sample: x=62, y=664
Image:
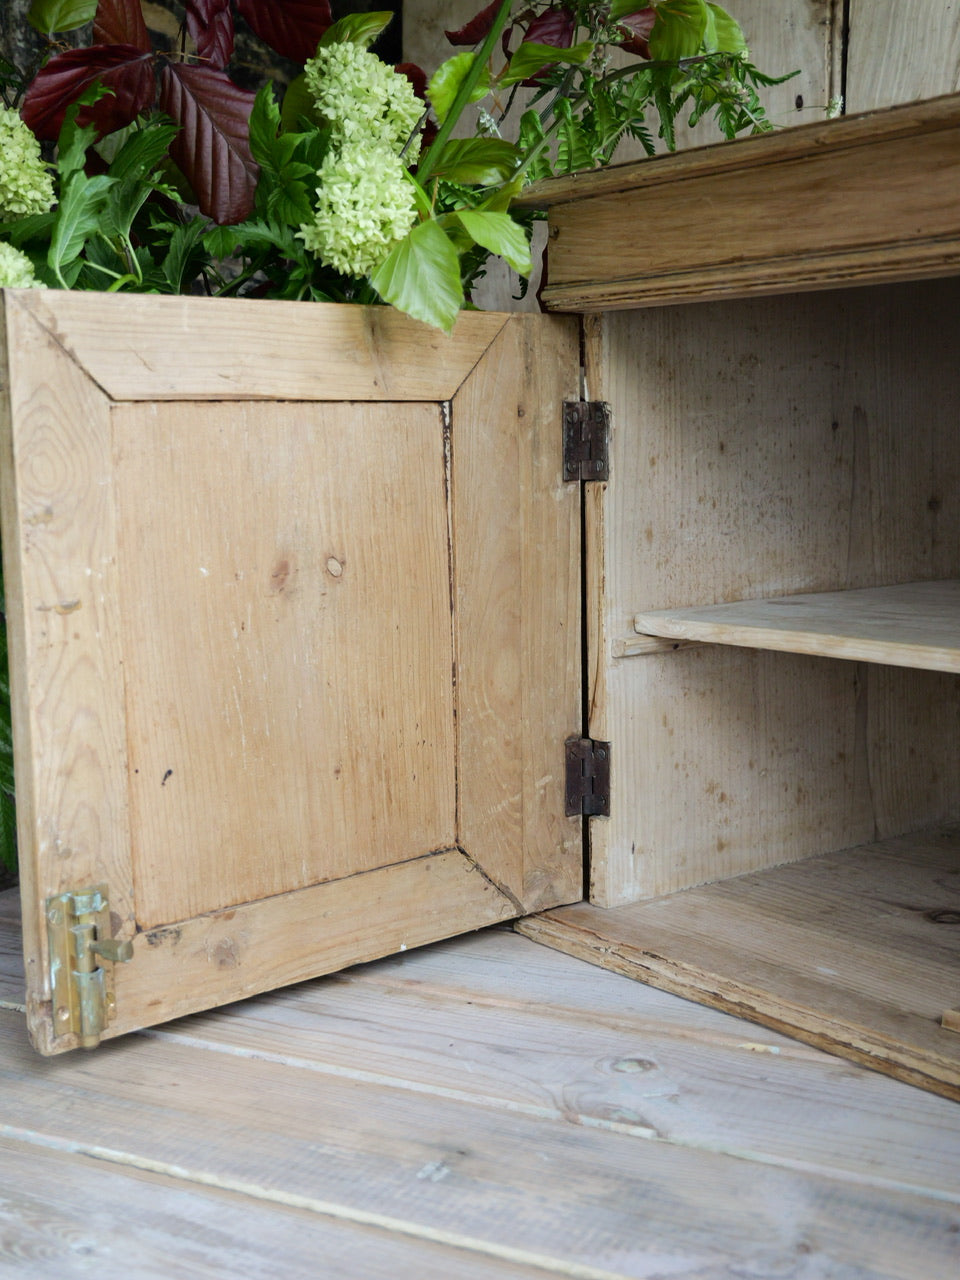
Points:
x=476, y=28
x=639, y=25
x=210, y=23
x=121, y=22
x=213, y=145
x=126, y=70
x=417, y=77
x=555, y=26
x=292, y=27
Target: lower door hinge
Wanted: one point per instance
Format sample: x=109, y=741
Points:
x=586, y=428
x=587, y=777
x=79, y=935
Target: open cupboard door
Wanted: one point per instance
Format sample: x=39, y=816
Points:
x=293, y=598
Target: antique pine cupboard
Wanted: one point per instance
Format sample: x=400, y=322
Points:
x=331, y=636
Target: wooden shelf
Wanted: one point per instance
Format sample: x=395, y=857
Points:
x=861, y=200
x=856, y=952
x=916, y=624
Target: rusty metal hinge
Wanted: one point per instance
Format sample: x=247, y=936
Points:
x=587, y=778
x=586, y=428
x=79, y=936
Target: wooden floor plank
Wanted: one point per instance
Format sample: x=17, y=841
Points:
x=501, y=1184
x=857, y=951
x=63, y=1215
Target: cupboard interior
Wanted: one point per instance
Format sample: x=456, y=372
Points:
x=763, y=450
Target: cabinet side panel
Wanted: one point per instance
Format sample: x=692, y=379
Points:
x=760, y=449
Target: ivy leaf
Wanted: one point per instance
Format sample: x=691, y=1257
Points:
x=292, y=27
x=213, y=146
x=499, y=234
x=728, y=34
x=481, y=162
x=48, y=16
x=531, y=58
x=357, y=28
x=210, y=23
x=122, y=68
x=478, y=26
x=446, y=81
x=421, y=276
x=679, y=29
x=121, y=22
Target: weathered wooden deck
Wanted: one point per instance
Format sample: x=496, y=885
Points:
x=481, y=1108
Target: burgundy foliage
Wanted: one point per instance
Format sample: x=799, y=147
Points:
x=639, y=24
x=212, y=146
x=121, y=22
x=126, y=70
x=478, y=27
x=210, y=23
x=292, y=27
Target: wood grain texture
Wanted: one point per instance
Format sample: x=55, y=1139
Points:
x=916, y=624
x=768, y=448
x=63, y=1215
x=173, y=348
x=736, y=220
x=488, y=1094
x=284, y=571
x=516, y=531
x=900, y=52
x=63, y=628
x=283, y=735
x=853, y=952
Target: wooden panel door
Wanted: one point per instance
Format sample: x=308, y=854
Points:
x=293, y=602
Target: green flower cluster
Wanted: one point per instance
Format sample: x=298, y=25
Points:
x=365, y=205
x=26, y=185
x=363, y=99
x=16, y=269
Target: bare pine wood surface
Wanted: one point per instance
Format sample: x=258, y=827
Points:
x=763, y=448
x=485, y=1106
x=915, y=624
x=263, y=638
x=857, y=951
x=735, y=220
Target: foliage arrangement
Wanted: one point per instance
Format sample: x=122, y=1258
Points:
x=166, y=176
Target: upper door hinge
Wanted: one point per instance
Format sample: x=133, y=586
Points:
x=587, y=778
x=79, y=934
x=586, y=428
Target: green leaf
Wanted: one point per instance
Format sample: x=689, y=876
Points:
x=620, y=8
x=499, y=234
x=421, y=276
x=185, y=255
x=35, y=226
x=533, y=144
x=532, y=57
x=297, y=105
x=477, y=161
x=679, y=29
x=78, y=216
x=143, y=150
x=48, y=16
x=357, y=28
x=447, y=80
x=729, y=38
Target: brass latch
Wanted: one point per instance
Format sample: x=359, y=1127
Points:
x=78, y=929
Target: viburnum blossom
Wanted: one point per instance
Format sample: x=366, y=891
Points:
x=26, y=185
x=16, y=269
x=362, y=98
x=364, y=207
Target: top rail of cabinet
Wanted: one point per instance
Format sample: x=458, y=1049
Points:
x=866, y=199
